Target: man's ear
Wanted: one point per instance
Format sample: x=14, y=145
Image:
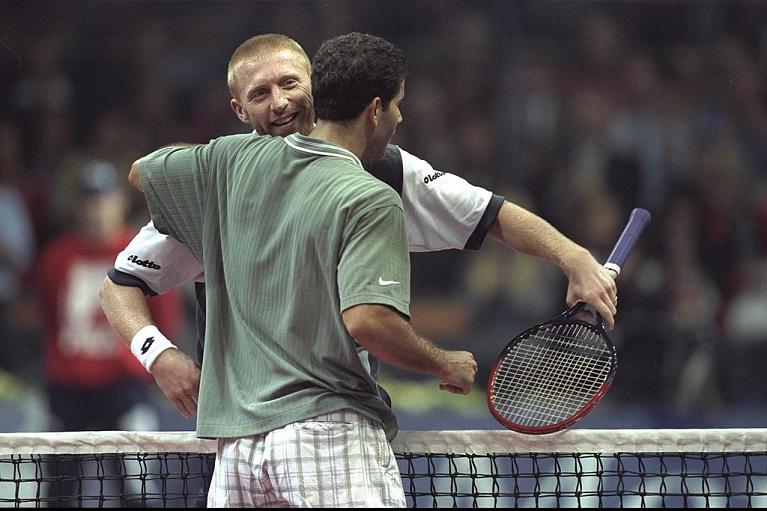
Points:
x=374, y=110
x=240, y=112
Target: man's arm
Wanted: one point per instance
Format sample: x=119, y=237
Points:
x=444, y=211
x=133, y=175
x=389, y=338
x=152, y=264
x=529, y=234
x=176, y=374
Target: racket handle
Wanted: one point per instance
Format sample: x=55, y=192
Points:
x=637, y=222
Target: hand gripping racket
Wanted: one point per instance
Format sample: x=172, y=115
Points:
x=553, y=374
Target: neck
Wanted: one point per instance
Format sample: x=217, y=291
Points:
x=349, y=135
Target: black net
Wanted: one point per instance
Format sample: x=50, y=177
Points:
x=585, y=480
x=106, y=480
x=534, y=472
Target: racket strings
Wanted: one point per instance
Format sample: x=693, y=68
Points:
x=545, y=402
x=551, y=375
x=538, y=399
x=518, y=360
x=538, y=405
x=550, y=382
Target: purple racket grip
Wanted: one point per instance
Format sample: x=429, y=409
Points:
x=637, y=222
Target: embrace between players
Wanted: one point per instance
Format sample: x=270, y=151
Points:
x=300, y=232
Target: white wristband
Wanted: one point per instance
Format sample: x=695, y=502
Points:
x=147, y=345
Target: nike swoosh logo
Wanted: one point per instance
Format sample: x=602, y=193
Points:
x=386, y=282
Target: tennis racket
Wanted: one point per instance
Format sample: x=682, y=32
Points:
x=554, y=373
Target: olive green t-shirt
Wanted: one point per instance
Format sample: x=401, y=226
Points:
x=290, y=233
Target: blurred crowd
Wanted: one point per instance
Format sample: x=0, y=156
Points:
x=579, y=111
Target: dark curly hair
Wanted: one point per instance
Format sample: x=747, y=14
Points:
x=348, y=71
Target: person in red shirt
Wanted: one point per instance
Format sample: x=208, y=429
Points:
x=93, y=380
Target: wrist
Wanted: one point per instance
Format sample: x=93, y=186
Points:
x=573, y=259
x=148, y=344
x=443, y=364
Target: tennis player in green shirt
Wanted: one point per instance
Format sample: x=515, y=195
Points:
x=307, y=271
x=269, y=80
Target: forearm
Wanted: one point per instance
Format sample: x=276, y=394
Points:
x=588, y=280
x=391, y=339
x=530, y=234
x=176, y=374
x=125, y=307
x=388, y=337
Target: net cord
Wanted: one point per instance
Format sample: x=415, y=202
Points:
x=603, y=441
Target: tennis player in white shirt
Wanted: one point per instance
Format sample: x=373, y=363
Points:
x=270, y=85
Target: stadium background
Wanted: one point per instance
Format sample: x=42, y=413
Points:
x=577, y=110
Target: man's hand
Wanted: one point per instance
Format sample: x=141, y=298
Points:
x=530, y=234
x=592, y=283
x=460, y=374
x=178, y=376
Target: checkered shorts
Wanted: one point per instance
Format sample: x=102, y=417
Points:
x=340, y=459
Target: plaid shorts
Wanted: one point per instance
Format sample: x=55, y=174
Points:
x=339, y=459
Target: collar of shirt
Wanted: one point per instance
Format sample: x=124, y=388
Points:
x=315, y=146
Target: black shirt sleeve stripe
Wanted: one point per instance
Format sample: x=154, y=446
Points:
x=126, y=279
x=388, y=169
x=488, y=217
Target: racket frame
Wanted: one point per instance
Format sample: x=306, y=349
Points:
x=566, y=318
x=636, y=224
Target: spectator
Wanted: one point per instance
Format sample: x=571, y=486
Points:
x=92, y=378
x=93, y=381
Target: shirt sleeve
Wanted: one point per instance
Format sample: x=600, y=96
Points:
x=176, y=181
x=155, y=263
x=444, y=211
x=374, y=266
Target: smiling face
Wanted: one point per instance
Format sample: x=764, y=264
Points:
x=272, y=93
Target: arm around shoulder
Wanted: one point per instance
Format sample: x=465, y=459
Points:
x=134, y=178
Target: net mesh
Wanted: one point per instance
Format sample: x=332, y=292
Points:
x=586, y=468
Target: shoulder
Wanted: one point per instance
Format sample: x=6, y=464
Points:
x=352, y=185
x=376, y=194
x=240, y=140
x=405, y=172
x=228, y=144
x=232, y=147
x=388, y=169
